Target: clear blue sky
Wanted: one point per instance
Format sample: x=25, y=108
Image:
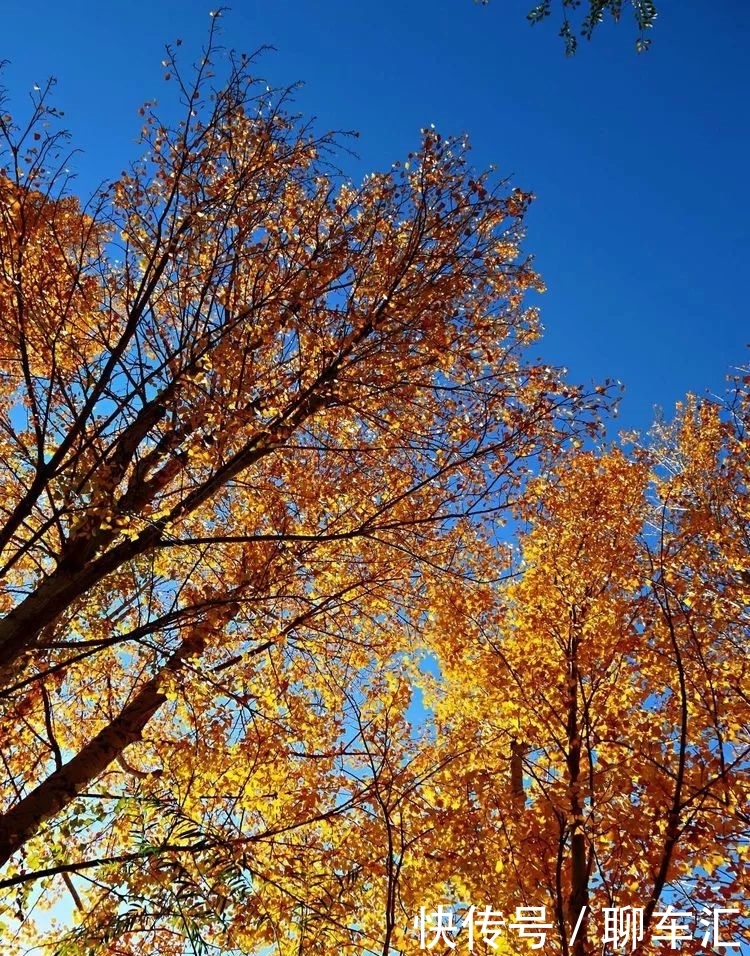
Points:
x=639, y=163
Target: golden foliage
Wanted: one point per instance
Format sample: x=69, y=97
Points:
x=246, y=407
x=260, y=429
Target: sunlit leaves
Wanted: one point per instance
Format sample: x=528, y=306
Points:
x=615, y=665
x=252, y=416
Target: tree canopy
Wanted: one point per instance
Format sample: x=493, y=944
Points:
x=274, y=677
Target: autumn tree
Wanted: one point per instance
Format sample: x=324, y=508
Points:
x=248, y=410
x=600, y=699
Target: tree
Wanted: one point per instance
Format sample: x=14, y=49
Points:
x=644, y=14
x=600, y=700
x=248, y=410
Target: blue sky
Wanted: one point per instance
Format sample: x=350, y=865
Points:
x=640, y=228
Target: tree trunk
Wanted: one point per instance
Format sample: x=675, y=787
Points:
x=56, y=792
